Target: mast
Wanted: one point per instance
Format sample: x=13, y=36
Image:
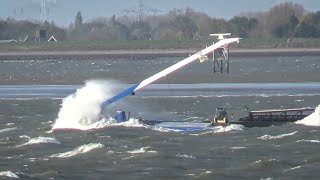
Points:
x=131, y=91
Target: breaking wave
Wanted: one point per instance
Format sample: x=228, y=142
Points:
x=8, y=129
x=41, y=140
x=311, y=141
x=268, y=137
x=142, y=150
x=79, y=150
x=8, y=174
x=221, y=129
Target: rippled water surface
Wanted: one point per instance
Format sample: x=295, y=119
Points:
x=29, y=149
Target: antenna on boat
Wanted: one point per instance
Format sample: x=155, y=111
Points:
x=220, y=56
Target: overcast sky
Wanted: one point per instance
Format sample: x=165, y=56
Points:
x=62, y=12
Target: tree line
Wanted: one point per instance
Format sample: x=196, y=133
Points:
x=286, y=20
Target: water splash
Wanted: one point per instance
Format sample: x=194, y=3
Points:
x=133, y=122
x=82, y=110
x=311, y=120
x=231, y=127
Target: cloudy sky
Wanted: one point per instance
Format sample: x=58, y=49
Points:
x=62, y=12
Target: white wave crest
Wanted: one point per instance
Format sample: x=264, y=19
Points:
x=185, y=156
x=312, y=141
x=41, y=140
x=294, y=168
x=311, y=120
x=268, y=137
x=8, y=174
x=231, y=127
x=141, y=150
x=221, y=129
x=79, y=150
x=237, y=147
x=24, y=137
x=163, y=129
x=8, y=129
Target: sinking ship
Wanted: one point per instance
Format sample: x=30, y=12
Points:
x=255, y=118
x=261, y=118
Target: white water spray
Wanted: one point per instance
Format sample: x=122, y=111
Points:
x=313, y=119
x=82, y=110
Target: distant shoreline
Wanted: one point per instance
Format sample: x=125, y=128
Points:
x=16, y=69
x=85, y=54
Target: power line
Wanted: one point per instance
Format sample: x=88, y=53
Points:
x=45, y=9
x=140, y=10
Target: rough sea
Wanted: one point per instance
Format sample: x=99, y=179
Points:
x=52, y=127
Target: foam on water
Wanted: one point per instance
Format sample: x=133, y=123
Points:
x=24, y=137
x=185, y=156
x=8, y=129
x=163, y=129
x=132, y=122
x=237, y=147
x=264, y=164
x=82, y=109
x=311, y=120
x=221, y=129
x=231, y=127
x=79, y=150
x=291, y=169
x=267, y=137
x=141, y=150
x=8, y=174
x=41, y=140
x=311, y=141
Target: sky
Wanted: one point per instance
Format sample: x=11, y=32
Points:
x=63, y=12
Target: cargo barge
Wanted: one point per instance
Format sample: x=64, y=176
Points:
x=261, y=118
x=264, y=118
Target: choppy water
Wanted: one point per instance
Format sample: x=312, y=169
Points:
x=30, y=150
